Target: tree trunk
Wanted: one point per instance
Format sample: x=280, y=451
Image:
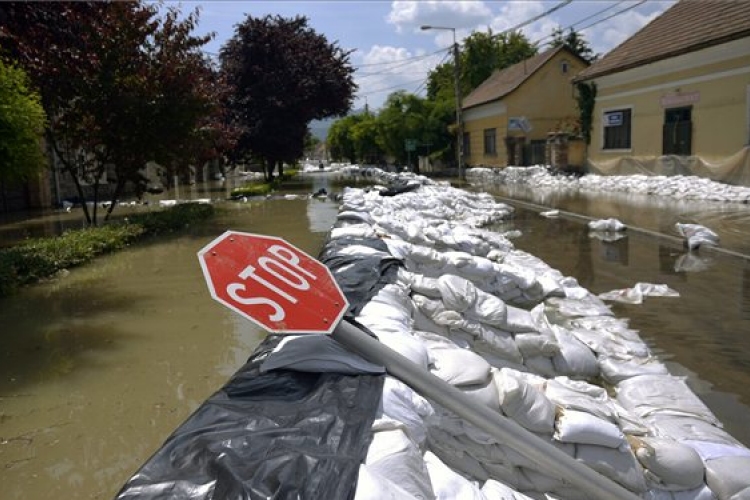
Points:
x=281, y=169
x=270, y=164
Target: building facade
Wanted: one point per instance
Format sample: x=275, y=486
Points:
x=507, y=118
x=675, y=97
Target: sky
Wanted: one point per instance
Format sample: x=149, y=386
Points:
x=391, y=52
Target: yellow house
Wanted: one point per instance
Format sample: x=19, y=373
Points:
x=675, y=97
x=506, y=120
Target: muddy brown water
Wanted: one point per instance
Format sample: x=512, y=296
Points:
x=99, y=367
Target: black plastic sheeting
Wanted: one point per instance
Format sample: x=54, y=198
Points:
x=281, y=434
x=360, y=277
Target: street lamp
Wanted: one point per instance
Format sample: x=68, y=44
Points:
x=457, y=85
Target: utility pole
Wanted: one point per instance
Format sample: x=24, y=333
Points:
x=457, y=85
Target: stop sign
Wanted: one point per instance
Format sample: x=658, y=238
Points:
x=272, y=283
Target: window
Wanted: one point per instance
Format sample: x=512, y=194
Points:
x=617, y=129
x=466, y=145
x=678, y=131
x=490, y=142
x=564, y=66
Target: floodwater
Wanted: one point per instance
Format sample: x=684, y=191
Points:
x=97, y=368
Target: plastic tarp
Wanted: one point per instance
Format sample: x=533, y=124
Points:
x=279, y=434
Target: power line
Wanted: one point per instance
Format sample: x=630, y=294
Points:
x=399, y=86
x=427, y=78
x=613, y=15
x=414, y=58
x=571, y=26
x=534, y=19
x=400, y=65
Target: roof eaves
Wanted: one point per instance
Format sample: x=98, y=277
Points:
x=582, y=77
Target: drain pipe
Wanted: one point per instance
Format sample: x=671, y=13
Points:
x=506, y=431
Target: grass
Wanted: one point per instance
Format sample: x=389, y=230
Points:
x=41, y=258
x=262, y=188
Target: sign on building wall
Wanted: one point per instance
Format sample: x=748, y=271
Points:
x=520, y=123
x=679, y=99
x=613, y=119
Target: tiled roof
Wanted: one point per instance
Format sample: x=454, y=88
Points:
x=687, y=26
x=503, y=82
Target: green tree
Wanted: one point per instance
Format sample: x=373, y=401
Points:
x=22, y=123
x=285, y=75
x=121, y=87
x=341, y=139
x=404, y=116
x=575, y=41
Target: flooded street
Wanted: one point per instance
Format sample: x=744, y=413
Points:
x=98, y=368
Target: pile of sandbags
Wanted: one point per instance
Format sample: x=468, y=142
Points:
x=518, y=337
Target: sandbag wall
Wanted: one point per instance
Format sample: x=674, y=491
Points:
x=507, y=329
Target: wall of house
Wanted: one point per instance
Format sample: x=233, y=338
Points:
x=713, y=82
x=546, y=100
x=476, y=120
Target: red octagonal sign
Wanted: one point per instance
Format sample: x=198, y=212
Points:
x=272, y=283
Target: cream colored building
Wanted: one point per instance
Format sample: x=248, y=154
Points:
x=675, y=97
x=506, y=120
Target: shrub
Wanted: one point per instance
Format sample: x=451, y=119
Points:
x=41, y=258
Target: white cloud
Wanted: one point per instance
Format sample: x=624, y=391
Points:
x=608, y=35
x=409, y=15
x=385, y=69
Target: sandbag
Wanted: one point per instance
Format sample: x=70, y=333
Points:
x=459, y=366
x=618, y=465
x=729, y=477
x=524, y=403
x=393, y=455
x=580, y=427
x=400, y=402
x=669, y=464
x=374, y=486
x=447, y=484
x=647, y=395
x=574, y=359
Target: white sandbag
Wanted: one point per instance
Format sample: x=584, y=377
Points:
x=703, y=492
x=495, y=490
x=519, y=320
x=618, y=465
x=524, y=403
x=606, y=343
x=540, y=365
x=400, y=402
x=459, y=366
x=536, y=344
x=447, y=484
x=358, y=231
x=374, y=486
x=572, y=426
x=458, y=294
x=729, y=477
x=489, y=310
x=696, y=235
x=647, y=395
x=636, y=294
x=406, y=345
x=393, y=455
x=580, y=395
x=610, y=224
x=589, y=305
x=426, y=286
x=615, y=370
x=485, y=394
x=486, y=338
x=575, y=359
x=692, y=431
x=669, y=464
x=436, y=311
